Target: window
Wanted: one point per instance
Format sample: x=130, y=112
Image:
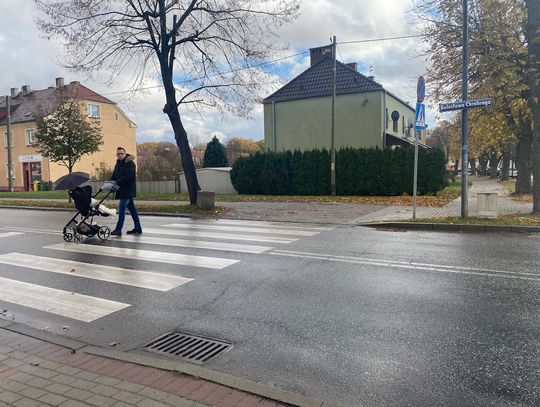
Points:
x=403, y=124
x=30, y=136
x=12, y=172
x=387, y=117
x=93, y=111
x=5, y=140
x=395, y=125
x=116, y=116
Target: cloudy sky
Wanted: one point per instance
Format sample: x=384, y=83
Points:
x=396, y=64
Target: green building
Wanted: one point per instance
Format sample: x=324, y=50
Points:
x=299, y=115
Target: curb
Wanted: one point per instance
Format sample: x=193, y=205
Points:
x=201, y=372
x=448, y=227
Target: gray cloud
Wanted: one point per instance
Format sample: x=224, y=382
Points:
x=30, y=59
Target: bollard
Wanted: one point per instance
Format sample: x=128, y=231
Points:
x=205, y=200
x=487, y=205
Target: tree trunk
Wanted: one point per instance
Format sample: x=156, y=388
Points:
x=523, y=158
x=171, y=110
x=493, y=164
x=483, y=161
x=456, y=167
x=472, y=162
x=505, y=166
x=533, y=37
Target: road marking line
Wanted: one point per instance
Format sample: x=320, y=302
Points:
x=218, y=228
x=9, y=234
x=229, y=236
x=412, y=265
x=231, y=247
x=136, y=278
x=72, y=305
x=134, y=254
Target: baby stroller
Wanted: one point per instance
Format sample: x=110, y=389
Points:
x=88, y=207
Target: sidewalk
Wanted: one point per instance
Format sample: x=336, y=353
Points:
x=505, y=204
x=35, y=371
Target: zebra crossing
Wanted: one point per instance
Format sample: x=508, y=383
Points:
x=217, y=236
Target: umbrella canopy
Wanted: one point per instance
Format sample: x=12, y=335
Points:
x=71, y=180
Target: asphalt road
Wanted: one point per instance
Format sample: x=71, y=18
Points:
x=348, y=314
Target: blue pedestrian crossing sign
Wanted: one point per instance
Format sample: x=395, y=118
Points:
x=420, y=117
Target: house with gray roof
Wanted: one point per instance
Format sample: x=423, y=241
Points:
x=299, y=115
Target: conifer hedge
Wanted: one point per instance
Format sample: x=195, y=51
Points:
x=363, y=171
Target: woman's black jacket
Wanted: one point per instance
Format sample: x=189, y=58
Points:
x=124, y=174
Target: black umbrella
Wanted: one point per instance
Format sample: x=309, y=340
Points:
x=71, y=180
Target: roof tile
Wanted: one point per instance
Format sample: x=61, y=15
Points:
x=316, y=81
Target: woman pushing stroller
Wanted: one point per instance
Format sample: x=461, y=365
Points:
x=125, y=175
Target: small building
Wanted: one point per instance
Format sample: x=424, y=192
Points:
x=299, y=115
x=27, y=105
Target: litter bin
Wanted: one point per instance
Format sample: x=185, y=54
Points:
x=44, y=186
x=35, y=185
x=487, y=205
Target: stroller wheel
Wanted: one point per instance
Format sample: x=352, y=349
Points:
x=68, y=237
x=104, y=232
x=77, y=238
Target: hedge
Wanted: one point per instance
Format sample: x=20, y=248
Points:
x=370, y=171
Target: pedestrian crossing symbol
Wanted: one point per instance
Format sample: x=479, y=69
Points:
x=420, y=117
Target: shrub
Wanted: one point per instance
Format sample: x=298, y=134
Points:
x=358, y=172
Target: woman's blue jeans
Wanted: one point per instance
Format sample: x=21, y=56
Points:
x=130, y=205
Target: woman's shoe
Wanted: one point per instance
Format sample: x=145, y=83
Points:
x=136, y=231
x=116, y=233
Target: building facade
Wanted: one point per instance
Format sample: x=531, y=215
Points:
x=27, y=164
x=298, y=116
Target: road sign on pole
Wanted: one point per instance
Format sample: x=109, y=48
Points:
x=420, y=116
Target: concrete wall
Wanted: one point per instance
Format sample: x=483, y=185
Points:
x=305, y=124
x=117, y=130
x=217, y=180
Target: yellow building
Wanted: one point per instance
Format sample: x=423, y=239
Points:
x=27, y=164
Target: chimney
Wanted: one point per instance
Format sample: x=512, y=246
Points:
x=14, y=92
x=74, y=83
x=25, y=90
x=319, y=53
x=59, y=83
x=353, y=65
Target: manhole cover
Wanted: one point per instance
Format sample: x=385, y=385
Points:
x=186, y=346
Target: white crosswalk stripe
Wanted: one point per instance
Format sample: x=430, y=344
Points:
x=257, y=223
x=197, y=244
x=212, y=235
x=10, y=234
x=218, y=228
x=65, y=303
x=136, y=278
x=133, y=254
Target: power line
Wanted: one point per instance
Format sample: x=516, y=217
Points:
x=382, y=39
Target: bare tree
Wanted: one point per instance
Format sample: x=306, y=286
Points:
x=207, y=45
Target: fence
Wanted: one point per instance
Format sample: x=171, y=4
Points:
x=154, y=187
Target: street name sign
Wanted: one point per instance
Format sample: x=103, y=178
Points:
x=446, y=107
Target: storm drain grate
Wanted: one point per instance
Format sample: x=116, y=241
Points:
x=192, y=347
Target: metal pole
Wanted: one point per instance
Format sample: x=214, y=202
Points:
x=10, y=161
x=332, y=138
x=415, y=177
x=464, y=117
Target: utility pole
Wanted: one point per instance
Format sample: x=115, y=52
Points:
x=464, y=117
x=333, y=132
x=8, y=136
